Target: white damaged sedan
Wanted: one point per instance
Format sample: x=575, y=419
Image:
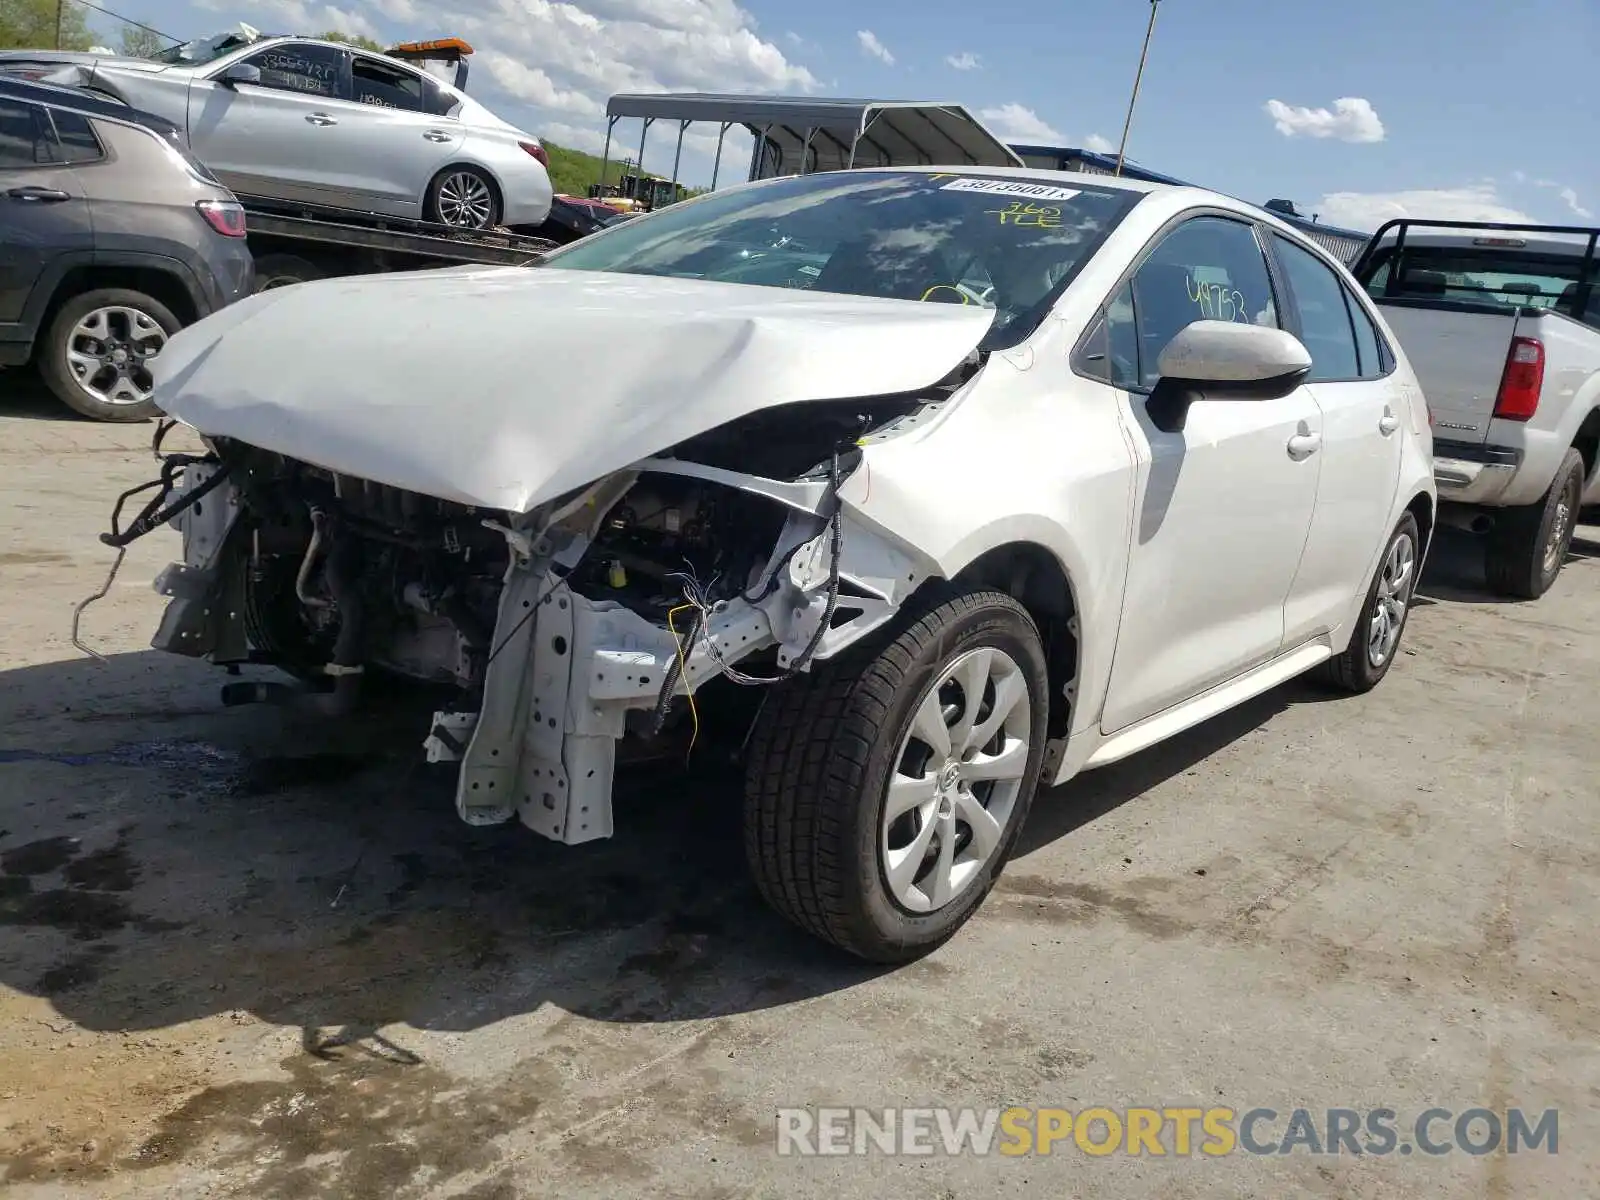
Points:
x=920, y=489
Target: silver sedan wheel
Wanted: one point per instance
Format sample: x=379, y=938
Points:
x=465, y=201
x=109, y=353
x=956, y=780
x=1394, y=594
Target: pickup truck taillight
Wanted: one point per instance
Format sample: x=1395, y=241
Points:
x=1522, y=381
x=225, y=216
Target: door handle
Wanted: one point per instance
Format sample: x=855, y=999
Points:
x=1304, y=445
x=37, y=195
x=438, y=135
x=318, y=118
x=1388, y=423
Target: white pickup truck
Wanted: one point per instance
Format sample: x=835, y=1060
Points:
x=1502, y=326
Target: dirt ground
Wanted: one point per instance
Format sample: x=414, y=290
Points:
x=240, y=955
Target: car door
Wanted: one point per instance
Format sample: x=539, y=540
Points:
x=44, y=215
x=280, y=138
x=1223, y=504
x=400, y=135
x=1352, y=380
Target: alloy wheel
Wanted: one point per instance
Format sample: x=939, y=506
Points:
x=1395, y=583
x=956, y=780
x=109, y=352
x=465, y=201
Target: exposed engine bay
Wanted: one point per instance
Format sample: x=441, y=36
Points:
x=549, y=635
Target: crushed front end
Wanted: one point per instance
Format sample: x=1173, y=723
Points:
x=551, y=635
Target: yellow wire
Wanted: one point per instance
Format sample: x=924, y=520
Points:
x=683, y=670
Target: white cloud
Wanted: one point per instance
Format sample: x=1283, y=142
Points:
x=1351, y=119
x=1569, y=196
x=1017, y=123
x=534, y=86
x=1367, y=210
x=1098, y=144
x=301, y=17
x=870, y=43
x=965, y=61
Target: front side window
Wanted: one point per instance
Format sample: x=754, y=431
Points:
x=384, y=85
x=21, y=143
x=295, y=67
x=1207, y=269
x=1007, y=244
x=1325, y=325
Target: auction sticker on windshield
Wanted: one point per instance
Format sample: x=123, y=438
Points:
x=1010, y=187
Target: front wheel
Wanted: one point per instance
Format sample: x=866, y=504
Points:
x=463, y=197
x=885, y=794
x=1375, y=641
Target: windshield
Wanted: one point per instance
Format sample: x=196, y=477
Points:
x=1011, y=244
x=206, y=49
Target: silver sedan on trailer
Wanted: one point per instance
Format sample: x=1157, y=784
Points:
x=310, y=121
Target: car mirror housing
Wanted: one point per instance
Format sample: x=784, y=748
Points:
x=1221, y=353
x=239, y=73
x=1224, y=360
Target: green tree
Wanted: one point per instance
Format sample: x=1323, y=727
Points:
x=349, y=39
x=142, y=43
x=32, y=25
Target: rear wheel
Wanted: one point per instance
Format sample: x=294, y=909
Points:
x=885, y=794
x=463, y=197
x=1528, y=545
x=281, y=270
x=96, y=353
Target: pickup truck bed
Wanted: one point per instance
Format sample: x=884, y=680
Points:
x=1502, y=326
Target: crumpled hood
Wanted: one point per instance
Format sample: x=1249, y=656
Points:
x=505, y=387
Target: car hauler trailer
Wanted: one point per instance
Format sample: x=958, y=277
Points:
x=293, y=243
x=803, y=135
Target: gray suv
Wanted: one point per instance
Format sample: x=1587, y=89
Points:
x=112, y=237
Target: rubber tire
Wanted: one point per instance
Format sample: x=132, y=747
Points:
x=1514, y=560
x=52, y=353
x=289, y=267
x=430, y=206
x=1350, y=670
x=818, y=766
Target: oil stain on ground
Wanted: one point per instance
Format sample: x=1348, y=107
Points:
x=91, y=903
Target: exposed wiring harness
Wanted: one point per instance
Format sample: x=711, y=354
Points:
x=695, y=598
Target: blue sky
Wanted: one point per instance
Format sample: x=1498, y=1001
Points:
x=1359, y=111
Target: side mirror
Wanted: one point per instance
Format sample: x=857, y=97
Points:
x=1225, y=360
x=239, y=73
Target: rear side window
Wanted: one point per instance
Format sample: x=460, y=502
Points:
x=75, y=140
x=1371, y=349
x=1325, y=325
x=21, y=143
x=373, y=82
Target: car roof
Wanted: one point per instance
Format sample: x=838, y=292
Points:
x=78, y=100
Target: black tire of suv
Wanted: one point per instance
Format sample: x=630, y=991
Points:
x=818, y=767
x=51, y=355
x=281, y=270
x=1351, y=670
x=1514, y=562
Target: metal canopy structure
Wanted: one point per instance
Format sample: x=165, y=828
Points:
x=800, y=135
